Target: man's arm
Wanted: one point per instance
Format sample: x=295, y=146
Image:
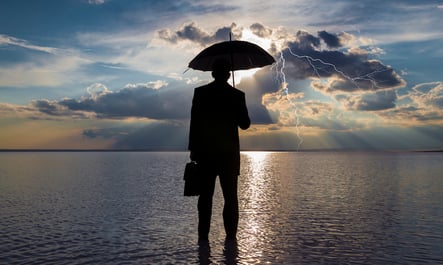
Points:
x=243, y=118
x=192, y=124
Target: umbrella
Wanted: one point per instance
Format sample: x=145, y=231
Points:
x=242, y=55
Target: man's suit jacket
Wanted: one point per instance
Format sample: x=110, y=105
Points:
x=217, y=111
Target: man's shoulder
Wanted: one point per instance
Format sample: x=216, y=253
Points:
x=210, y=88
x=238, y=92
x=233, y=90
x=202, y=88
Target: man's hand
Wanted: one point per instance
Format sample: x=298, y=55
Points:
x=192, y=156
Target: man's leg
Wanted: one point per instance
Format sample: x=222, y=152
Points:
x=205, y=205
x=230, y=209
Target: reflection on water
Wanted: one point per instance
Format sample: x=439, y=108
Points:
x=340, y=207
x=258, y=201
x=295, y=208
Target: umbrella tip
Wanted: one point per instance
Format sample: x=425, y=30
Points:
x=230, y=35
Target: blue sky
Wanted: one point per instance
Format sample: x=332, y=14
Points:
x=111, y=74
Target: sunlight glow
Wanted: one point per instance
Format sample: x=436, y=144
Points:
x=239, y=75
x=247, y=35
x=257, y=157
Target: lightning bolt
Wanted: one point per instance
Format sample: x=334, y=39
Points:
x=279, y=67
x=367, y=77
x=319, y=65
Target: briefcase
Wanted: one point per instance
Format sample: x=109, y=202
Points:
x=192, y=179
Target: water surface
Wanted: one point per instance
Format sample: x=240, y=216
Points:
x=295, y=208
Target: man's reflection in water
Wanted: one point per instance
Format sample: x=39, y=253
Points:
x=230, y=252
x=204, y=252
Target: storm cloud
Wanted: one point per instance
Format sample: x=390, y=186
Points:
x=353, y=78
x=331, y=61
x=370, y=102
x=332, y=40
x=192, y=32
x=309, y=56
x=151, y=100
x=261, y=30
x=352, y=71
x=425, y=105
x=154, y=136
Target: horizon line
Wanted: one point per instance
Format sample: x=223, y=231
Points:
x=243, y=150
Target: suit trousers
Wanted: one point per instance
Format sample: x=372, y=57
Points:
x=228, y=182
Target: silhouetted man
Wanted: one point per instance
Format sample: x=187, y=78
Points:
x=218, y=109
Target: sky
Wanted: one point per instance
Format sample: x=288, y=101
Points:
x=109, y=74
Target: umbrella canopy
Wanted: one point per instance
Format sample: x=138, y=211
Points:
x=242, y=55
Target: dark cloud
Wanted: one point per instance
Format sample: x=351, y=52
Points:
x=260, y=30
x=53, y=108
x=438, y=102
x=259, y=114
x=262, y=83
x=330, y=39
x=107, y=133
x=46, y=106
x=325, y=123
x=411, y=113
x=428, y=94
x=307, y=41
x=171, y=102
x=155, y=136
x=153, y=101
x=426, y=105
x=321, y=115
x=370, y=102
x=402, y=113
x=192, y=32
x=352, y=71
x=378, y=101
x=141, y=100
x=305, y=58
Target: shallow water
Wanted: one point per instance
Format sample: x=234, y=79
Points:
x=295, y=208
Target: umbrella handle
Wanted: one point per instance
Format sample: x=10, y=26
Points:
x=232, y=61
x=233, y=79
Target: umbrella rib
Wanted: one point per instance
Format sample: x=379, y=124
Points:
x=242, y=55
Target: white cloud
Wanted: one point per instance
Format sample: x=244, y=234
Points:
x=428, y=95
x=97, y=90
x=54, y=71
x=96, y=2
x=151, y=84
x=57, y=67
x=425, y=107
x=9, y=40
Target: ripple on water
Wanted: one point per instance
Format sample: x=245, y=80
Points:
x=295, y=208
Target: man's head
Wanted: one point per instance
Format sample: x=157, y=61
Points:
x=220, y=69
